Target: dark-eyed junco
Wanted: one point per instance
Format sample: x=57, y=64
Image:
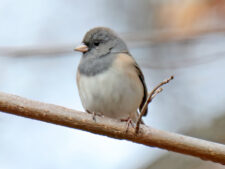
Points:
x=109, y=80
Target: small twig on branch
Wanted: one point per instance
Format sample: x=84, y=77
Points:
x=153, y=93
x=156, y=92
x=112, y=128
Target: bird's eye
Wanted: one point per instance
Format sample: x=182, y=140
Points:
x=96, y=43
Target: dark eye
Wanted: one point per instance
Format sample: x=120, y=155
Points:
x=96, y=43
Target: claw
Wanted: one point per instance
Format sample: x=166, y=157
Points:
x=94, y=114
x=128, y=123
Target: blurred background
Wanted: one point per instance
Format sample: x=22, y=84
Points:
x=167, y=37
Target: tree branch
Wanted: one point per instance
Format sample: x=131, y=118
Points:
x=151, y=95
x=109, y=127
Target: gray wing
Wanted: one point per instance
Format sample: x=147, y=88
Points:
x=142, y=79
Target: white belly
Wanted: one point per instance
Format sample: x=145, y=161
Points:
x=110, y=93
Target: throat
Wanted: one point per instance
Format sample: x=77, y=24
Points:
x=91, y=66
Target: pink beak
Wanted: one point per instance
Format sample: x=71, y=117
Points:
x=81, y=48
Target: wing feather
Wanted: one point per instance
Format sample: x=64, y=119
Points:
x=142, y=79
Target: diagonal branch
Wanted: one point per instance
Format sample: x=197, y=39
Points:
x=105, y=126
x=153, y=93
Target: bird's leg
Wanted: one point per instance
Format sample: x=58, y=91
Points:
x=128, y=123
x=94, y=114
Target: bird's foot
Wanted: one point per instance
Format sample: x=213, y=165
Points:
x=129, y=123
x=94, y=114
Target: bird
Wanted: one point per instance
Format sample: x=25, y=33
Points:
x=109, y=80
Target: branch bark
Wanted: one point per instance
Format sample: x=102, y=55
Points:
x=109, y=127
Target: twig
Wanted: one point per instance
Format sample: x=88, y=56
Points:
x=159, y=90
x=109, y=127
x=153, y=93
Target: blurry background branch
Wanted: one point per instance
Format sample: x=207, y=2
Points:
x=104, y=126
x=141, y=39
